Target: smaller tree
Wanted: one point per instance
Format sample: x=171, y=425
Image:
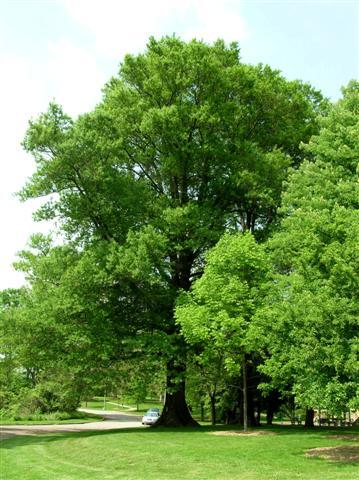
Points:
x=217, y=313
x=310, y=324
x=205, y=381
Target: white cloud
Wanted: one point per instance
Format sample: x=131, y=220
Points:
x=20, y=98
x=121, y=27
x=215, y=19
x=72, y=73
x=75, y=77
x=118, y=26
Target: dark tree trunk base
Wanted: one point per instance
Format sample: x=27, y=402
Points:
x=175, y=411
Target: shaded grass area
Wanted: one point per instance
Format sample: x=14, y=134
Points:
x=188, y=454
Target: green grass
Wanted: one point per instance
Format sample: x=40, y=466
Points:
x=115, y=404
x=86, y=419
x=50, y=419
x=99, y=405
x=168, y=454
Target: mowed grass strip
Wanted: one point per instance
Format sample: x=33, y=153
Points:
x=115, y=404
x=51, y=419
x=155, y=454
x=86, y=419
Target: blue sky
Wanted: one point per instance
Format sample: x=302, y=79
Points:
x=314, y=41
x=67, y=49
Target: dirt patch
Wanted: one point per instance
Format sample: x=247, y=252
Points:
x=342, y=453
x=352, y=437
x=234, y=433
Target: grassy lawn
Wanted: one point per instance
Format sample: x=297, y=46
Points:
x=126, y=404
x=85, y=419
x=99, y=405
x=183, y=454
x=50, y=419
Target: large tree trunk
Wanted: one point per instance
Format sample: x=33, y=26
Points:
x=175, y=410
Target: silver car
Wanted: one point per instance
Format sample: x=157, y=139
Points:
x=151, y=416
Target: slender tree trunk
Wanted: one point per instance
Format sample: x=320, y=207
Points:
x=245, y=394
x=213, y=408
x=258, y=415
x=309, y=418
x=251, y=416
x=272, y=404
x=270, y=415
x=175, y=410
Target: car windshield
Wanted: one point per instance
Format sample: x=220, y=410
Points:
x=153, y=414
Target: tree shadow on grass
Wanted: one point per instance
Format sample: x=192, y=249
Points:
x=48, y=436
x=320, y=432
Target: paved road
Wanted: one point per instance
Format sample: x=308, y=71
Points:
x=112, y=420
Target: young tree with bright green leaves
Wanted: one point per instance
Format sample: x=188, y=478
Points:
x=311, y=322
x=217, y=313
x=187, y=143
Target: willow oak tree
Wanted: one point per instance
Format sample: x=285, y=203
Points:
x=187, y=142
x=311, y=325
x=218, y=312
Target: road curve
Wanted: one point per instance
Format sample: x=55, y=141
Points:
x=111, y=421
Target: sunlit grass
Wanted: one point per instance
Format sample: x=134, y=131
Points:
x=50, y=418
x=123, y=404
x=184, y=454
